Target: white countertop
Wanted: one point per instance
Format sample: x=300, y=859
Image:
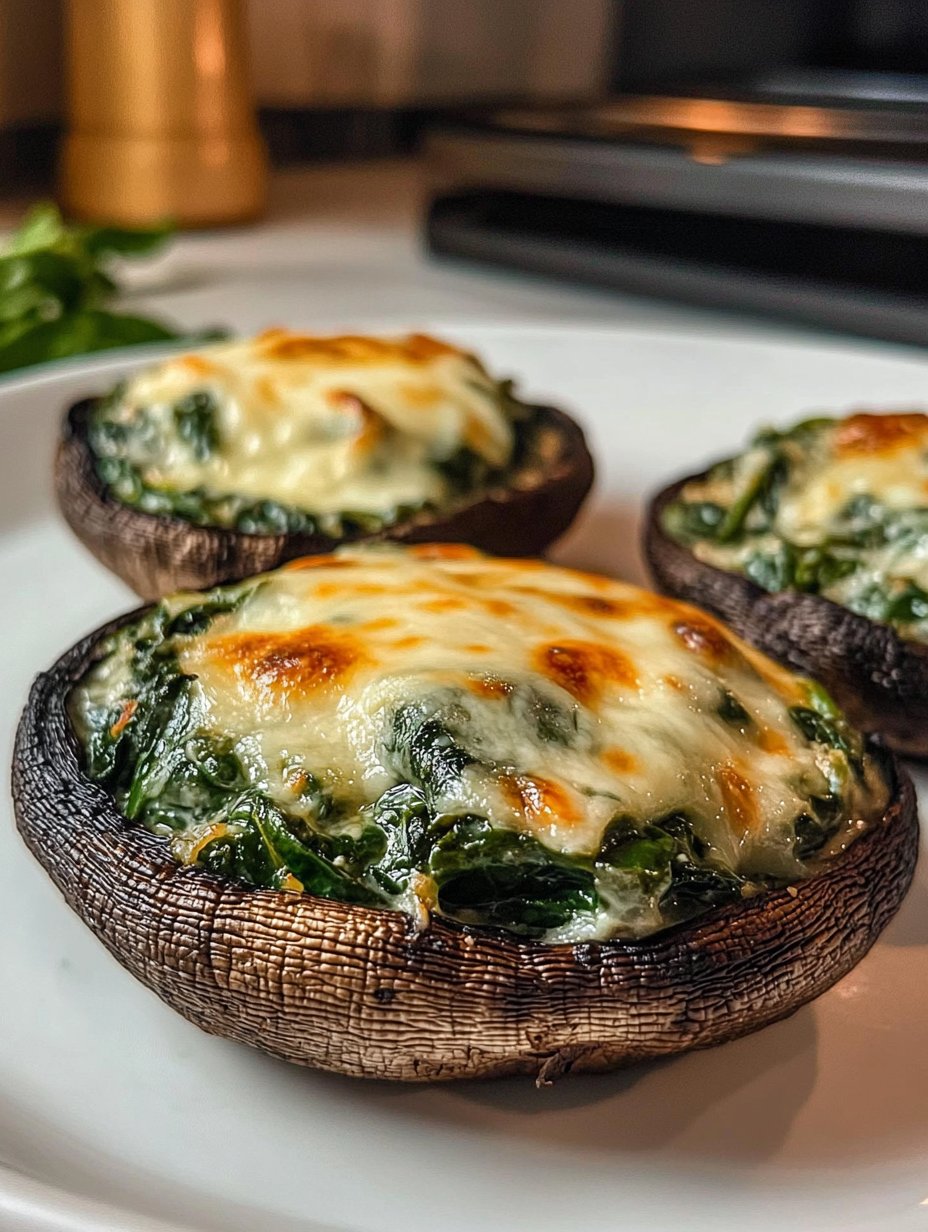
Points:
x=340, y=247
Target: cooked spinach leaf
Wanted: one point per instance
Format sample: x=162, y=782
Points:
x=284, y=823
x=490, y=875
x=672, y=863
x=695, y=888
x=425, y=748
x=866, y=555
x=731, y=710
x=197, y=426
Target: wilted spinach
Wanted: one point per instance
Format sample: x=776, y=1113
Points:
x=488, y=875
x=201, y=791
x=863, y=555
x=672, y=864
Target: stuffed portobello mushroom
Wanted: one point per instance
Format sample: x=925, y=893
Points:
x=813, y=545
x=423, y=814
x=217, y=465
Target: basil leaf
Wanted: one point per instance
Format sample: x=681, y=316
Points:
x=55, y=290
x=78, y=333
x=120, y=241
x=41, y=228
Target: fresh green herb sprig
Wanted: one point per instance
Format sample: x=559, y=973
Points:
x=57, y=290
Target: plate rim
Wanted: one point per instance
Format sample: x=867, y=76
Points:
x=29, y=1204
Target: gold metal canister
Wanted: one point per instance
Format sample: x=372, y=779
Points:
x=161, y=118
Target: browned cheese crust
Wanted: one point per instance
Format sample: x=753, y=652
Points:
x=879, y=679
x=363, y=992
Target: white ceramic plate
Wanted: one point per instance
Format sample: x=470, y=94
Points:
x=117, y=1114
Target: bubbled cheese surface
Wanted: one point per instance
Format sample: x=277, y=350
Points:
x=884, y=456
x=322, y=423
x=317, y=660
x=881, y=459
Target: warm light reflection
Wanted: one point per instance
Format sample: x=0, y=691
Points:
x=709, y=115
x=208, y=44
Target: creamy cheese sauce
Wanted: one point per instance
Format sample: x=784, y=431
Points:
x=854, y=491
x=577, y=700
x=321, y=424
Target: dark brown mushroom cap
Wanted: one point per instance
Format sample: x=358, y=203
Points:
x=879, y=679
x=157, y=554
x=362, y=992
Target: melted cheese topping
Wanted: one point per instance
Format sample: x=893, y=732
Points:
x=878, y=461
x=316, y=663
x=884, y=456
x=324, y=424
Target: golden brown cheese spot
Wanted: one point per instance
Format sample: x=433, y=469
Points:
x=378, y=624
x=675, y=683
x=444, y=551
x=490, y=686
x=770, y=740
x=737, y=799
x=420, y=396
x=278, y=344
x=538, y=800
x=268, y=392
x=289, y=664
x=198, y=365
x=572, y=603
x=344, y=402
x=408, y=643
x=370, y=429
x=595, y=605
x=499, y=607
x=703, y=638
x=641, y=606
x=318, y=562
x=865, y=434
x=424, y=346
x=329, y=590
x=296, y=780
x=584, y=669
x=592, y=581
x=619, y=761
x=128, y=710
x=449, y=603
x=478, y=436
x=284, y=347
x=478, y=648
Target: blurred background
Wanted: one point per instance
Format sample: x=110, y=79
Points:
x=759, y=156
x=331, y=78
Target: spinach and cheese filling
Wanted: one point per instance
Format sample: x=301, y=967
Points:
x=503, y=742
x=286, y=432
x=834, y=507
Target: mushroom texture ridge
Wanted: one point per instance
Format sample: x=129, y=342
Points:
x=500, y=742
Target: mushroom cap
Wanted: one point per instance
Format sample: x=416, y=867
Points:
x=363, y=991
x=157, y=554
x=879, y=679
